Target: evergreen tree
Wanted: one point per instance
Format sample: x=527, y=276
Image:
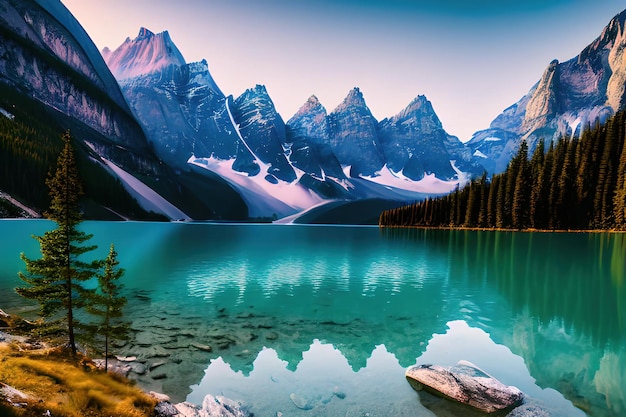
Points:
x=553, y=183
x=521, y=190
x=106, y=304
x=567, y=208
x=492, y=201
x=619, y=200
x=484, y=201
x=55, y=280
x=501, y=202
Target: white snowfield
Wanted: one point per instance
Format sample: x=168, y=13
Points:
x=427, y=185
x=262, y=197
x=284, y=200
x=147, y=198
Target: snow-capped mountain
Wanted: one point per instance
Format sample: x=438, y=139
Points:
x=277, y=168
x=309, y=142
x=569, y=96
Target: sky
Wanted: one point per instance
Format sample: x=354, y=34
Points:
x=471, y=59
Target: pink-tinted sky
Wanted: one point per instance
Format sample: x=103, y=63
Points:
x=472, y=59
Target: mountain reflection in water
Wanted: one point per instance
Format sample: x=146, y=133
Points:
x=325, y=383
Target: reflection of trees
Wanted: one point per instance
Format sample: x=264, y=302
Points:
x=567, y=291
x=574, y=277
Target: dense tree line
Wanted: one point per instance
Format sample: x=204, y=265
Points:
x=574, y=184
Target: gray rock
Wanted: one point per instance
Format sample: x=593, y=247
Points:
x=217, y=406
x=165, y=409
x=529, y=410
x=199, y=346
x=467, y=384
x=12, y=395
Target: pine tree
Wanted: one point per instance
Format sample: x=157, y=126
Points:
x=106, y=305
x=521, y=190
x=55, y=280
x=619, y=200
x=567, y=209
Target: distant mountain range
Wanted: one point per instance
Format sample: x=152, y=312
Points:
x=157, y=123
x=281, y=168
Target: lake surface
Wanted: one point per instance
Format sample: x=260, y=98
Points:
x=317, y=320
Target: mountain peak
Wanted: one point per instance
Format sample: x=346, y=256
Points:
x=419, y=111
x=145, y=54
x=144, y=34
x=312, y=105
x=354, y=99
x=313, y=100
x=355, y=95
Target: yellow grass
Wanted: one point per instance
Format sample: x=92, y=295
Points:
x=69, y=387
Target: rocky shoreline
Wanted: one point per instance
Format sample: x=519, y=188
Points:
x=164, y=357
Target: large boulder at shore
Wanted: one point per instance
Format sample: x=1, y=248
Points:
x=467, y=384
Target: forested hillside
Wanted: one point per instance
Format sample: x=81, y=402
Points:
x=575, y=184
x=30, y=141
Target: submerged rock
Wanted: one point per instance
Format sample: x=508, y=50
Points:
x=466, y=384
x=303, y=403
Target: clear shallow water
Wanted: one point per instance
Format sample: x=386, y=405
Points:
x=329, y=317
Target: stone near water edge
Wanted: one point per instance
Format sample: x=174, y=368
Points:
x=467, y=384
x=166, y=409
x=337, y=392
x=159, y=396
x=114, y=366
x=223, y=407
x=212, y=406
x=155, y=365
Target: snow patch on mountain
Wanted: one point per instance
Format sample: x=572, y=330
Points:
x=147, y=198
x=6, y=114
x=430, y=184
x=264, y=198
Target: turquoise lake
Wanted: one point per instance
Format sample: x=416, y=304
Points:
x=324, y=320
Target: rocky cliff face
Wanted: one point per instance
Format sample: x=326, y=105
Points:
x=569, y=96
x=353, y=136
x=309, y=142
x=414, y=142
x=45, y=54
x=263, y=131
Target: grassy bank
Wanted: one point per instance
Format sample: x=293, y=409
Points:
x=38, y=377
